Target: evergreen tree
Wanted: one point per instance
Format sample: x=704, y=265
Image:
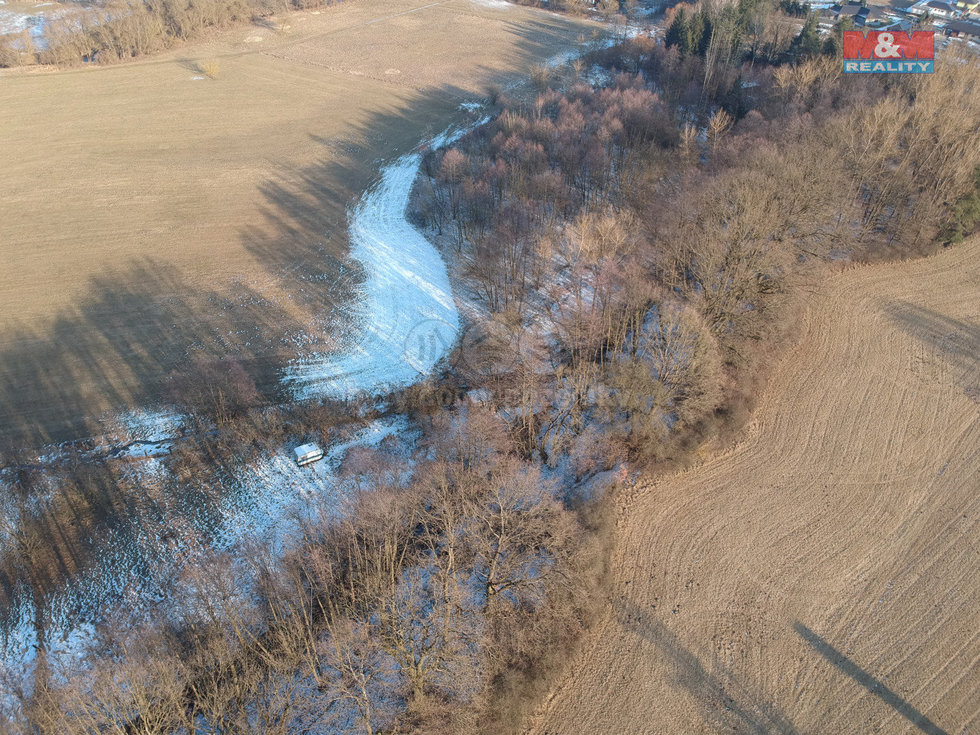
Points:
x=794, y=8
x=679, y=33
x=701, y=32
x=807, y=43
x=834, y=45
x=734, y=101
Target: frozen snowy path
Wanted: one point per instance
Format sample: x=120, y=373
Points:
x=406, y=318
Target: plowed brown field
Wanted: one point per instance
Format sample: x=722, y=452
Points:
x=824, y=575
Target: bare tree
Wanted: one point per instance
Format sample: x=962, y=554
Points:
x=362, y=680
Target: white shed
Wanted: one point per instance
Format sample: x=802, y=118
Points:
x=307, y=454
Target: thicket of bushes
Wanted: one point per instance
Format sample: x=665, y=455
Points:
x=418, y=607
x=965, y=219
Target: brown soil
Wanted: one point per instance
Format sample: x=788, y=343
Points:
x=822, y=576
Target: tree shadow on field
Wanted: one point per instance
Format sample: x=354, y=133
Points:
x=191, y=65
x=866, y=680
x=304, y=240
x=143, y=322
x=956, y=342
x=116, y=349
x=728, y=704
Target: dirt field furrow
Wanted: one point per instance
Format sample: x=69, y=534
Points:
x=823, y=575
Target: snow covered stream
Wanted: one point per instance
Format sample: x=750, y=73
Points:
x=406, y=319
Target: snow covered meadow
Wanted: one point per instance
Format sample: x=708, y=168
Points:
x=24, y=22
x=17, y=21
x=264, y=505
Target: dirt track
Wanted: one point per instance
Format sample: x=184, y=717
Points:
x=824, y=575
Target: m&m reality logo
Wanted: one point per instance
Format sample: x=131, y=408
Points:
x=892, y=53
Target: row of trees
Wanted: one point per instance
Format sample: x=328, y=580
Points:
x=116, y=30
x=726, y=35
x=729, y=33
x=555, y=158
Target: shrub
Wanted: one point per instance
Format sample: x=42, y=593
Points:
x=8, y=55
x=210, y=69
x=965, y=217
x=214, y=390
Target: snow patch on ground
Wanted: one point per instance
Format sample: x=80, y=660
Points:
x=275, y=495
x=266, y=504
x=406, y=318
x=495, y=4
x=145, y=450
x=599, y=76
x=148, y=425
x=15, y=22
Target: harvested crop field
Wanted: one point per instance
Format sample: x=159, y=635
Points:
x=824, y=575
x=193, y=206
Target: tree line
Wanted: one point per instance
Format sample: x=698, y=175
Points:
x=117, y=30
x=643, y=240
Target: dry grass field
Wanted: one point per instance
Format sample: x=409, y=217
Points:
x=822, y=576
x=194, y=204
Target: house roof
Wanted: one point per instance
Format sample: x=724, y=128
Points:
x=937, y=5
x=962, y=26
x=902, y=25
x=859, y=12
x=305, y=449
x=851, y=8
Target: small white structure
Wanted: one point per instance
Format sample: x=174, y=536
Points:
x=307, y=454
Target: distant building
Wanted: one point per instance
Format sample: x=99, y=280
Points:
x=922, y=8
x=907, y=25
x=851, y=9
x=968, y=7
x=860, y=14
x=963, y=29
x=940, y=9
